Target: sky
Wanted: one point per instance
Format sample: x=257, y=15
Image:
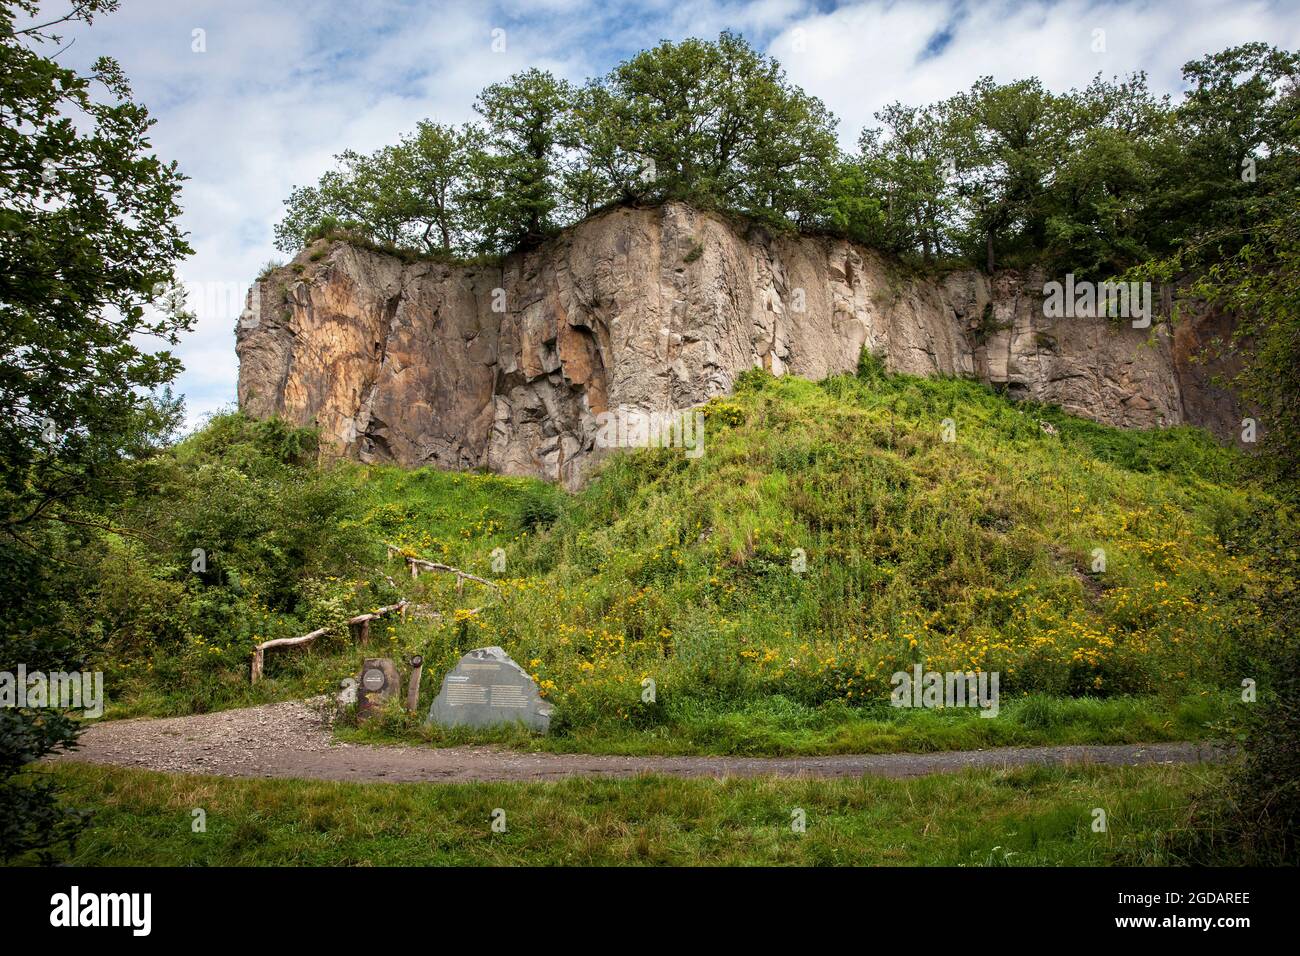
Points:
x=252, y=98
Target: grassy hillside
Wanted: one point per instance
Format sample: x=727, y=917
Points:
x=975, y=554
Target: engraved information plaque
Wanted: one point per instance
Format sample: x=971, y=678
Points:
x=486, y=689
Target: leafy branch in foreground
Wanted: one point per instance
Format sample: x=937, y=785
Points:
x=88, y=247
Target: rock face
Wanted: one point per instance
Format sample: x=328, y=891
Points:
x=512, y=367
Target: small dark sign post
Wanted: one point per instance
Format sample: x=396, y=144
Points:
x=378, y=682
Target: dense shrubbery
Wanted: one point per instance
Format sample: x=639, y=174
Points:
x=1255, y=820
x=240, y=539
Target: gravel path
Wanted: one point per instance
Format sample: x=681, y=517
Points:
x=293, y=740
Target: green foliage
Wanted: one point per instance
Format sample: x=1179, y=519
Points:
x=248, y=540
x=435, y=168
x=715, y=124
x=32, y=819
x=1021, y=817
x=414, y=194
x=540, y=507
x=1090, y=181
x=971, y=555
x=1234, y=139
x=871, y=367
x=1255, y=819
x=853, y=208
x=907, y=162
x=1258, y=821
x=518, y=192
x=1016, y=174
x=712, y=123
x=987, y=326
x=79, y=264
x=88, y=242
x=1258, y=281
x=724, y=414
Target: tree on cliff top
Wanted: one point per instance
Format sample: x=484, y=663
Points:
x=415, y=193
x=518, y=176
x=715, y=124
x=1240, y=190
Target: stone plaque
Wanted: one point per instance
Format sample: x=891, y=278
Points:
x=378, y=682
x=485, y=689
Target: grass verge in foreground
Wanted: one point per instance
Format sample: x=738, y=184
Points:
x=1028, y=816
x=776, y=725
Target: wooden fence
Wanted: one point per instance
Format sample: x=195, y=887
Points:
x=362, y=621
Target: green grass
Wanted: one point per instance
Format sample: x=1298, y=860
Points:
x=1031, y=816
x=971, y=555
x=779, y=726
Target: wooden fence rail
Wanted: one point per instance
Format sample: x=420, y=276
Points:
x=361, y=621
x=417, y=565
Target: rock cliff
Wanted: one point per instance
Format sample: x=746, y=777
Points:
x=507, y=367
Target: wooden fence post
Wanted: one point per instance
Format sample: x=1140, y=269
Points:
x=413, y=687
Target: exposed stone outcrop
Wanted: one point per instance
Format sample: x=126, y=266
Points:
x=507, y=367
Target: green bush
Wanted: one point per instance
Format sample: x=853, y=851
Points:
x=541, y=506
x=31, y=815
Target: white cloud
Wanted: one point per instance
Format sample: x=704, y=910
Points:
x=862, y=56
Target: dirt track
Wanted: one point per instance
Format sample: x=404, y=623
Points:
x=292, y=740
